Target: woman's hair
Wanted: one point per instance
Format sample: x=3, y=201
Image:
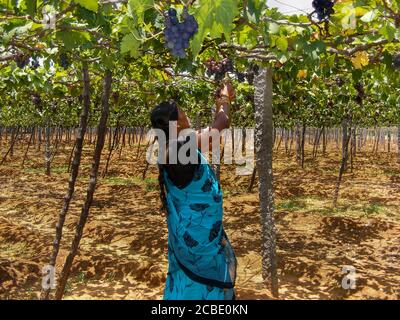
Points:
x=163, y=114
x=160, y=118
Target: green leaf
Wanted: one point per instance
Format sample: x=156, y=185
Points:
x=17, y=31
x=73, y=39
x=247, y=36
x=215, y=18
x=282, y=44
x=274, y=28
x=255, y=8
x=130, y=45
x=388, y=32
x=91, y=5
x=369, y=16
x=31, y=6
x=139, y=7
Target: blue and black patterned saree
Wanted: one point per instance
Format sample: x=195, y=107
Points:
x=202, y=263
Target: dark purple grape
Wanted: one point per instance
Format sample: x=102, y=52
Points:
x=174, y=20
x=64, y=62
x=339, y=82
x=172, y=12
x=22, y=61
x=178, y=35
x=396, y=61
x=323, y=9
x=218, y=69
x=250, y=77
x=36, y=99
x=34, y=64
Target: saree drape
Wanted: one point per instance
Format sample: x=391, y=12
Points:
x=198, y=247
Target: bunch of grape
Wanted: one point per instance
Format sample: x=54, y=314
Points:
x=115, y=96
x=64, y=62
x=360, y=92
x=252, y=71
x=339, y=82
x=34, y=63
x=37, y=100
x=178, y=34
x=219, y=69
x=396, y=61
x=323, y=9
x=22, y=60
x=241, y=76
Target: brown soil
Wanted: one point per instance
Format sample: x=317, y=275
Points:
x=123, y=251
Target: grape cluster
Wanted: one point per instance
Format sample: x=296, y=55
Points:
x=360, y=92
x=178, y=34
x=37, y=100
x=396, y=61
x=339, y=82
x=115, y=96
x=64, y=61
x=323, y=8
x=219, y=69
x=22, y=60
x=250, y=74
x=34, y=63
x=241, y=76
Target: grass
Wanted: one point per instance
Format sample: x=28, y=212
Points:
x=323, y=206
x=62, y=169
x=81, y=278
x=372, y=209
x=20, y=249
x=111, y=277
x=119, y=181
x=68, y=287
x=150, y=184
x=31, y=294
x=293, y=204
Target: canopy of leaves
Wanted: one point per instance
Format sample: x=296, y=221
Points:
x=45, y=44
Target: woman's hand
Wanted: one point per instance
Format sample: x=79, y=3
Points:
x=228, y=91
x=225, y=96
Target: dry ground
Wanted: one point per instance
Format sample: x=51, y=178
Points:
x=123, y=252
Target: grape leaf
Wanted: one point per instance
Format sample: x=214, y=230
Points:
x=139, y=7
x=215, y=18
x=130, y=45
x=255, y=8
x=360, y=60
x=369, y=16
x=31, y=6
x=91, y=5
x=282, y=44
x=73, y=39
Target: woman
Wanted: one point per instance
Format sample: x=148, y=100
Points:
x=202, y=264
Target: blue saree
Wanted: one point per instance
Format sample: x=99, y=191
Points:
x=202, y=263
